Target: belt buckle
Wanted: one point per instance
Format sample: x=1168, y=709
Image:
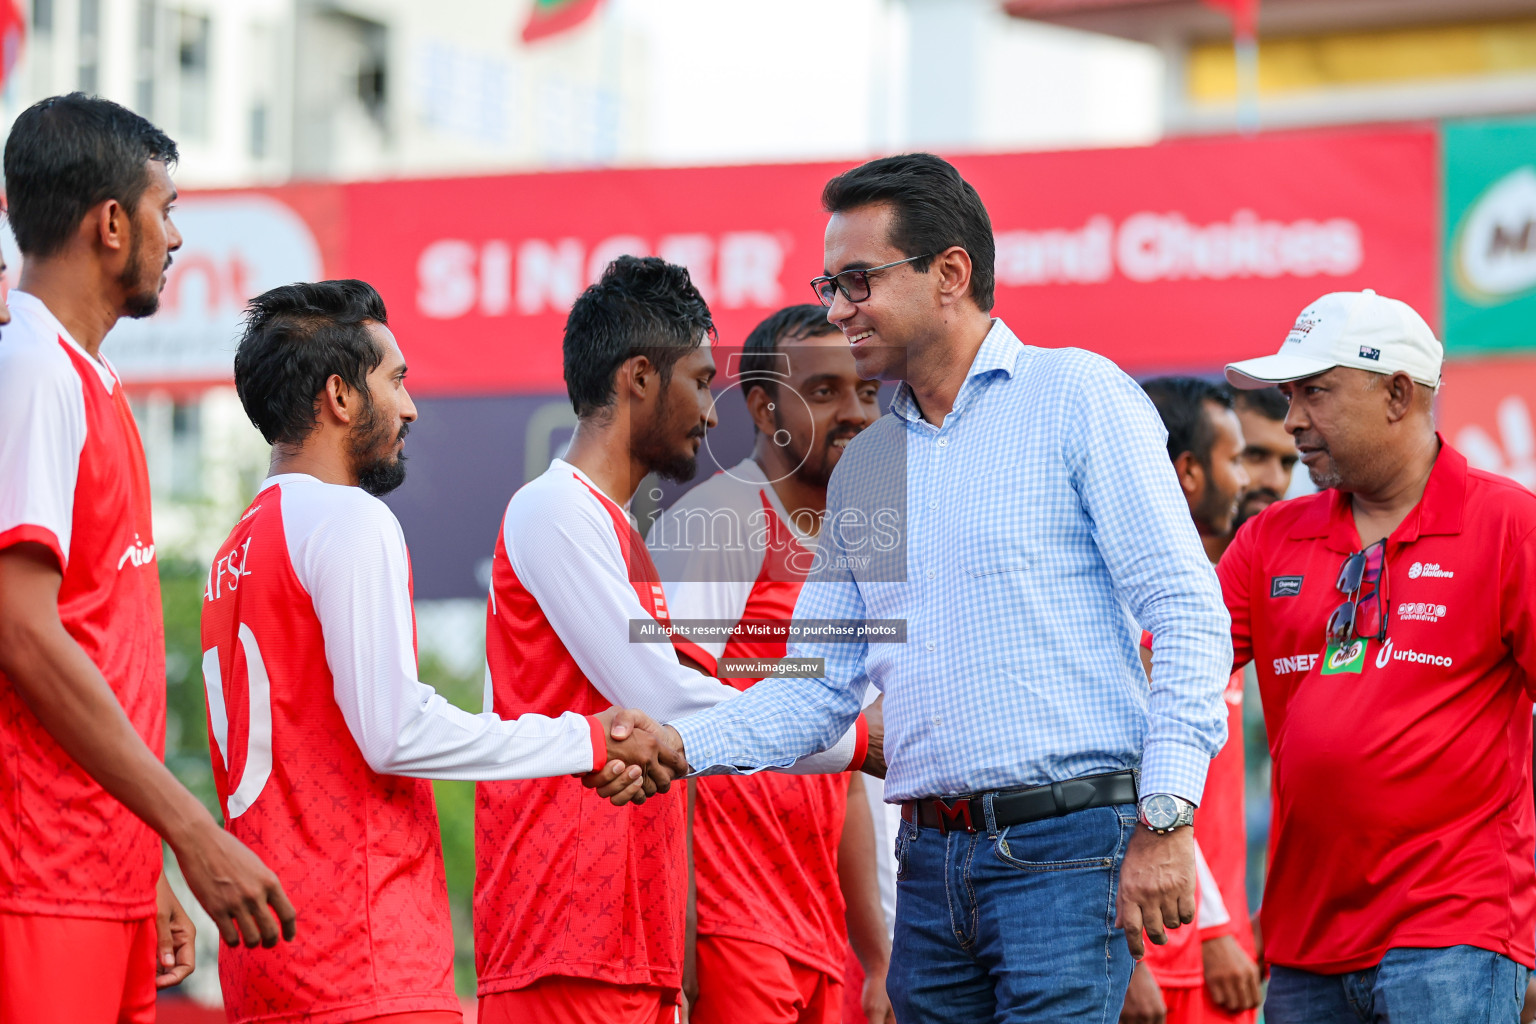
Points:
x=949, y=814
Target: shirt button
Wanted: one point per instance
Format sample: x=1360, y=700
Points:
x=931, y=574
x=943, y=441
x=934, y=503
x=931, y=645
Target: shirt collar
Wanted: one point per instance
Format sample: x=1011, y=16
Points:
x=26, y=301
x=1439, y=510
x=999, y=354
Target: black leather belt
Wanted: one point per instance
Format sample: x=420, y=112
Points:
x=1018, y=806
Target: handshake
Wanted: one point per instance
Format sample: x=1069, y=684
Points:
x=643, y=758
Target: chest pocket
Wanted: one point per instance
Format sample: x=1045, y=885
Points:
x=994, y=528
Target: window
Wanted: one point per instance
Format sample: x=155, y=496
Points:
x=90, y=48
x=145, y=58
x=191, y=47
x=42, y=16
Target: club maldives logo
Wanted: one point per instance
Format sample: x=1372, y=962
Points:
x=1493, y=255
x=1429, y=570
x=1421, y=611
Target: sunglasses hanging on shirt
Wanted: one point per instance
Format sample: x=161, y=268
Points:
x=1362, y=618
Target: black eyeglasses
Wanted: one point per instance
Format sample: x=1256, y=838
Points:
x=1362, y=615
x=854, y=284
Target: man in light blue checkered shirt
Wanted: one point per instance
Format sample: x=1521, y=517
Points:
x=1034, y=503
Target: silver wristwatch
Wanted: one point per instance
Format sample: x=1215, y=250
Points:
x=1162, y=813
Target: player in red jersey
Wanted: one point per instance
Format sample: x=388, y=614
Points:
x=88, y=926
x=1208, y=973
x=579, y=908
x=322, y=736
x=770, y=885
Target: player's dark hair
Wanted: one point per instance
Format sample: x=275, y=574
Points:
x=65, y=154
x=759, y=368
x=1267, y=402
x=641, y=306
x=934, y=207
x=295, y=338
x=1181, y=402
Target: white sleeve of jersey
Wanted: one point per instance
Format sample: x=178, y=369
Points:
x=353, y=562
x=702, y=582
x=564, y=550
x=569, y=559
x=42, y=432
x=1213, y=909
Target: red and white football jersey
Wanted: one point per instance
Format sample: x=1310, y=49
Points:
x=72, y=478
x=322, y=739
x=566, y=884
x=765, y=846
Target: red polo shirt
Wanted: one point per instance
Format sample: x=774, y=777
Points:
x=1402, y=812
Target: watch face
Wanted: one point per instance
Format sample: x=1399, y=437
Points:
x=1160, y=811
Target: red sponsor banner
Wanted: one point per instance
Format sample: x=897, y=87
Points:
x=1487, y=409
x=1183, y=255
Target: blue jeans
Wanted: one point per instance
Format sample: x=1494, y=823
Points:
x=1454, y=985
x=1011, y=925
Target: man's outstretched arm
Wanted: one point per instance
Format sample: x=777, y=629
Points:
x=65, y=690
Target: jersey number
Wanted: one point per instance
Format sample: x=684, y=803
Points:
x=258, y=753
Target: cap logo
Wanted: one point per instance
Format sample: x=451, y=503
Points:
x=1366, y=352
x=1304, y=325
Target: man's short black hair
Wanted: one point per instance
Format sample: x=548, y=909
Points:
x=1181, y=402
x=1267, y=402
x=934, y=207
x=641, y=306
x=759, y=368
x=64, y=155
x=295, y=338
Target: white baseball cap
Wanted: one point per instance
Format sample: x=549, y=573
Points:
x=1361, y=330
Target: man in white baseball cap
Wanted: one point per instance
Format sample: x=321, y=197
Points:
x=1362, y=330
x=1392, y=625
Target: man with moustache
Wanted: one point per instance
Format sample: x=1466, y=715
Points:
x=579, y=909
x=1209, y=974
x=1037, y=503
x=1269, y=452
x=1392, y=624
x=87, y=797
x=323, y=737
x=773, y=886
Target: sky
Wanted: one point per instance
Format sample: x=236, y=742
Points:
x=806, y=79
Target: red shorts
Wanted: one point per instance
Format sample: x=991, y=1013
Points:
x=1213, y=1014
x=560, y=1000
x=743, y=982
x=1186, y=1005
x=417, y=1017
x=76, y=970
